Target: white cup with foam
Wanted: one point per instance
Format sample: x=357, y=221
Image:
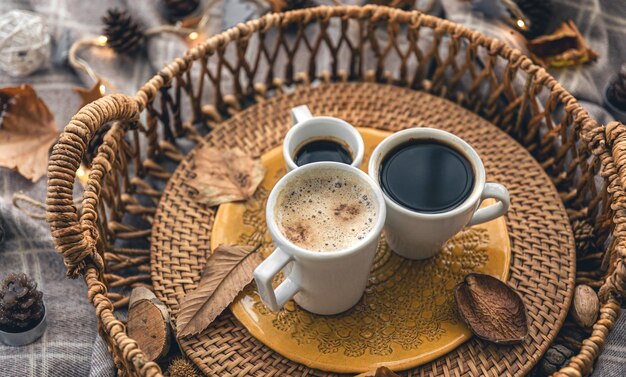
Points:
x=321, y=281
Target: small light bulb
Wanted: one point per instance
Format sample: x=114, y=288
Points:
x=102, y=40
x=82, y=174
x=102, y=89
x=521, y=24
x=193, y=36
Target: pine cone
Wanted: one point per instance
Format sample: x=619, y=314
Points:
x=617, y=90
x=123, y=34
x=555, y=358
x=583, y=237
x=181, y=367
x=21, y=304
x=177, y=9
x=539, y=12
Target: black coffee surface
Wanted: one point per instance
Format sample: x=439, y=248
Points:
x=322, y=150
x=426, y=176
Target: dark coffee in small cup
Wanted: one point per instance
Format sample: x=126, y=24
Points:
x=426, y=176
x=322, y=150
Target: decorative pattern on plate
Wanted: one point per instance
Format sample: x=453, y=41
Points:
x=407, y=315
x=404, y=303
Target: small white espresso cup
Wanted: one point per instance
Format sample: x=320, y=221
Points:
x=322, y=282
x=418, y=235
x=307, y=128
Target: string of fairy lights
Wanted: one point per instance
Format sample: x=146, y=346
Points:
x=190, y=34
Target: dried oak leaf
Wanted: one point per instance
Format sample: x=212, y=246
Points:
x=379, y=372
x=223, y=176
x=27, y=131
x=87, y=96
x=228, y=270
x=492, y=309
x=563, y=48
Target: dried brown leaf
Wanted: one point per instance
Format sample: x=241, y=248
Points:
x=492, y=309
x=87, y=96
x=564, y=47
x=27, y=131
x=379, y=372
x=277, y=5
x=227, y=272
x=224, y=176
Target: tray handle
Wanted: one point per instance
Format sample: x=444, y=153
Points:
x=75, y=239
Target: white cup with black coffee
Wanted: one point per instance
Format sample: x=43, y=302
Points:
x=433, y=183
x=325, y=219
x=321, y=138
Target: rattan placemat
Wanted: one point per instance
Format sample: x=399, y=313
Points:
x=543, y=263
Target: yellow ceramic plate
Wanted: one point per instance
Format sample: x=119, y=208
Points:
x=407, y=316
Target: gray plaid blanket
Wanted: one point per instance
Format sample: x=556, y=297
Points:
x=71, y=346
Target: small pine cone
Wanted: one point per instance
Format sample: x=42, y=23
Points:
x=21, y=304
x=555, y=358
x=181, y=367
x=617, y=90
x=123, y=34
x=178, y=9
x=583, y=237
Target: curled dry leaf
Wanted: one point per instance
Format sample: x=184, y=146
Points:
x=87, y=96
x=224, y=176
x=492, y=309
x=565, y=47
x=27, y=131
x=585, y=306
x=379, y=372
x=228, y=270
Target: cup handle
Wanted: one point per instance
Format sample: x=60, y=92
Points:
x=264, y=274
x=300, y=114
x=498, y=192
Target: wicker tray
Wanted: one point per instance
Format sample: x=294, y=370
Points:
x=106, y=238
x=542, y=245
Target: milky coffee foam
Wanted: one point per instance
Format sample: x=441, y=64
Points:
x=325, y=211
